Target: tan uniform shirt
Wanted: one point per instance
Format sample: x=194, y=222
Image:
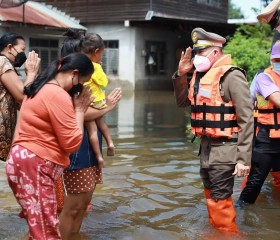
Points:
x=215, y=152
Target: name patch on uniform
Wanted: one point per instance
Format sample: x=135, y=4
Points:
x=204, y=93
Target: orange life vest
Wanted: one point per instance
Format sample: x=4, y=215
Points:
x=210, y=114
x=268, y=114
x=255, y=111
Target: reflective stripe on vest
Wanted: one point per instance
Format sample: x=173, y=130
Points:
x=268, y=114
x=210, y=115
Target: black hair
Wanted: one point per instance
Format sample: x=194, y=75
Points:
x=91, y=42
x=76, y=41
x=72, y=61
x=9, y=38
x=71, y=42
x=274, y=20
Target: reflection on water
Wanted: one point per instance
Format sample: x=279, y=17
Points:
x=152, y=189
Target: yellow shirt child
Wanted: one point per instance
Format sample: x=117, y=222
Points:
x=97, y=82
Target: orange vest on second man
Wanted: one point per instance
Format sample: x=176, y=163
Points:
x=210, y=114
x=268, y=114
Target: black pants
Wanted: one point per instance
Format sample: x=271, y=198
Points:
x=265, y=157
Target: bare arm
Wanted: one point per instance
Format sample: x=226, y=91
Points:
x=275, y=99
x=112, y=99
x=12, y=81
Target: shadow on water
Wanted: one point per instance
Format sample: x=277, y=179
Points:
x=152, y=189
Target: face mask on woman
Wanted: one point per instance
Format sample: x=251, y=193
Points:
x=276, y=67
x=77, y=88
x=20, y=59
x=201, y=63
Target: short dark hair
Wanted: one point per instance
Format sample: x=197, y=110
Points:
x=9, y=38
x=76, y=41
x=91, y=42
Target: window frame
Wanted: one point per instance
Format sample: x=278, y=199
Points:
x=50, y=46
x=111, y=54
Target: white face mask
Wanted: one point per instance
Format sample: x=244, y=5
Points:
x=201, y=63
x=276, y=67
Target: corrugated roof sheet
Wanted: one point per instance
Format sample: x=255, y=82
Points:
x=39, y=14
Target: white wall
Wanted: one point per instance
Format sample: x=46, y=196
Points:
x=132, y=42
x=126, y=38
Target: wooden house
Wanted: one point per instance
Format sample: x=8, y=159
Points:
x=144, y=38
x=41, y=26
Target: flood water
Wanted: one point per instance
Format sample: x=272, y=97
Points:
x=152, y=189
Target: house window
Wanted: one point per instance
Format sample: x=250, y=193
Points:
x=212, y=3
x=155, y=58
x=47, y=50
x=110, y=59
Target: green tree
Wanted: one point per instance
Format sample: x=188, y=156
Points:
x=250, y=47
x=234, y=12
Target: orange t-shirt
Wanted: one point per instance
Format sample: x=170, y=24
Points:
x=47, y=125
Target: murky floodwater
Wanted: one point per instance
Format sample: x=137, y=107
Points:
x=152, y=189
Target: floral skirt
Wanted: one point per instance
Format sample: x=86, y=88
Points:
x=31, y=179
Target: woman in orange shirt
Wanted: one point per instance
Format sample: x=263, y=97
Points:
x=50, y=127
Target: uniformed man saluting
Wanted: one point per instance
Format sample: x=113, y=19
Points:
x=221, y=115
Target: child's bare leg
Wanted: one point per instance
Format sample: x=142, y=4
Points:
x=93, y=139
x=106, y=133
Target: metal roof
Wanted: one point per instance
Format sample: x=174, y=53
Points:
x=39, y=14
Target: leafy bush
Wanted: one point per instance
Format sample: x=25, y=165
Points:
x=250, y=48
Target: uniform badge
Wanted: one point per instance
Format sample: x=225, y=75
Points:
x=194, y=37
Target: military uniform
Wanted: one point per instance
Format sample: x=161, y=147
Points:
x=219, y=155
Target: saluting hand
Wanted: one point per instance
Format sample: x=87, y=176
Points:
x=186, y=62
